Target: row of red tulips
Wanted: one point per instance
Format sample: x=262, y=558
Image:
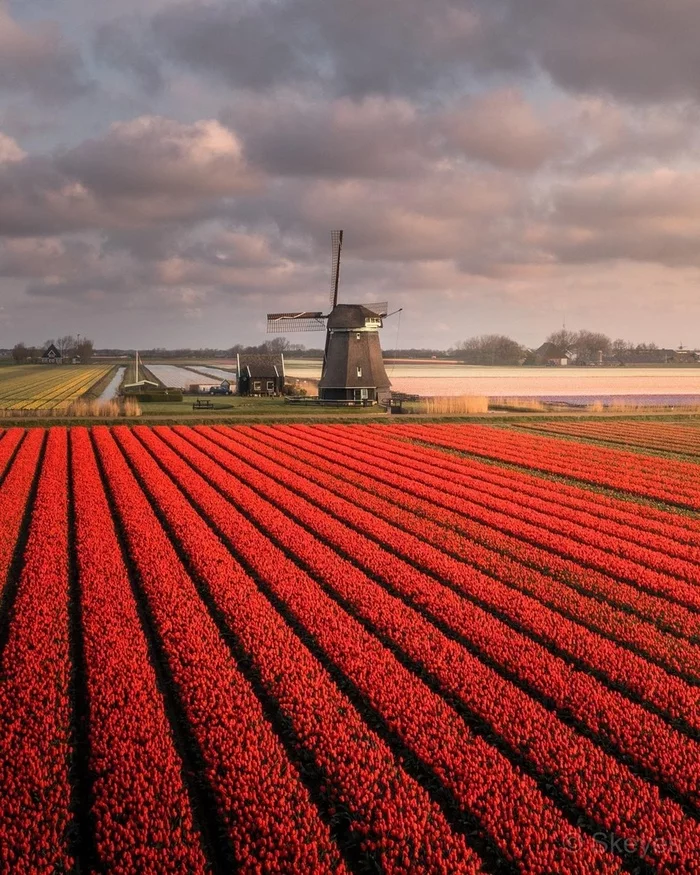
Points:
x=400, y=489
x=643, y=517
x=524, y=824
x=141, y=810
x=666, y=436
x=649, y=560
x=447, y=505
x=35, y=668
x=633, y=730
x=352, y=686
x=8, y=444
x=390, y=814
x=370, y=498
x=674, y=482
x=14, y=494
x=556, y=604
x=263, y=805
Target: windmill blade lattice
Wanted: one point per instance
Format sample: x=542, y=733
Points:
x=337, y=245
x=305, y=320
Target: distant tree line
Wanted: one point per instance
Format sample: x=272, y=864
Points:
x=490, y=349
x=581, y=347
x=68, y=346
x=589, y=346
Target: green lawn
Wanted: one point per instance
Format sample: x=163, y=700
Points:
x=226, y=409
x=235, y=406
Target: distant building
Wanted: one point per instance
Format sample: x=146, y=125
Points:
x=51, y=356
x=260, y=374
x=142, y=386
x=551, y=354
x=653, y=356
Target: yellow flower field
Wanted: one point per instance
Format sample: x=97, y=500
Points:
x=46, y=387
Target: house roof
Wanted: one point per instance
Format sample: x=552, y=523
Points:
x=551, y=351
x=51, y=351
x=350, y=316
x=261, y=367
x=141, y=383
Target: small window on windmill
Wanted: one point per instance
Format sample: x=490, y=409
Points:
x=358, y=336
x=359, y=371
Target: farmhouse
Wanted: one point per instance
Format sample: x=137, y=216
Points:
x=260, y=374
x=551, y=354
x=51, y=356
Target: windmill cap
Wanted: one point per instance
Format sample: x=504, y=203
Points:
x=350, y=316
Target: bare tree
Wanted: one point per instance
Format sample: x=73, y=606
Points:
x=490, y=349
x=586, y=345
x=277, y=345
x=20, y=353
x=564, y=339
x=84, y=350
x=66, y=344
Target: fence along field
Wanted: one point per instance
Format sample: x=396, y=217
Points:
x=341, y=649
x=32, y=387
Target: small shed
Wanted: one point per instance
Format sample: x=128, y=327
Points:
x=142, y=386
x=260, y=374
x=51, y=356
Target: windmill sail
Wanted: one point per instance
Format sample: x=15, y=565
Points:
x=337, y=245
x=303, y=320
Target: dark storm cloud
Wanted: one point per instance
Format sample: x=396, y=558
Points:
x=357, y=48
x=469, y=148
x=503, y=129
x=36, y=58
x=252, y=47
x=638, y=50
x=153, y=155
x=294, y=136
x=645, y=217
x=641, y=50
x=124, y=45
x=143, y=172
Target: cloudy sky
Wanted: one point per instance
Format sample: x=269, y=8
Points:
x=170, y=171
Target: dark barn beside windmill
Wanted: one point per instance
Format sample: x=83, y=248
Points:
x=354, y=368
x=260, y=374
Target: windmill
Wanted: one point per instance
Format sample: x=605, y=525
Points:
x=353, y=369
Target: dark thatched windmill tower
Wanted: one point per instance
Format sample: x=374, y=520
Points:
x=353, y=369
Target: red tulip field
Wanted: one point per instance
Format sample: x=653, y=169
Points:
x=348, y=648
x=667, y=437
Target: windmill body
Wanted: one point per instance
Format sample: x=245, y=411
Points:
x=353, y=368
